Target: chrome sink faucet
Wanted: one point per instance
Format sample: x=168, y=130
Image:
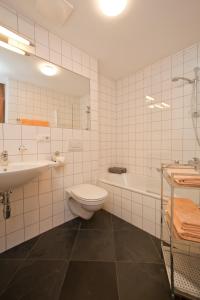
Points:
x=194, y=162
x=4, y=158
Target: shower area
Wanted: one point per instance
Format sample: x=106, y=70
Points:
x=195, y=104
x=155, y=118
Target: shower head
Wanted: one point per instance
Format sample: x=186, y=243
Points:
x=182, y=78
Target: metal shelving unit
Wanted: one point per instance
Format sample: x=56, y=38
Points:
x=182, y=264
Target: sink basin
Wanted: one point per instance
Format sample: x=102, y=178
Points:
x=19, y=173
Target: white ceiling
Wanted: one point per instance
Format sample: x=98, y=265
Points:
x=147, y=31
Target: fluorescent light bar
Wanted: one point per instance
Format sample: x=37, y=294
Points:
x=158, y=106
x=165, y=104
x=149, y=99
x=151, y=106
x=12, y=48
x=4, y=31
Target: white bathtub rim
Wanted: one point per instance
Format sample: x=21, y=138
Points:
x=153, y=195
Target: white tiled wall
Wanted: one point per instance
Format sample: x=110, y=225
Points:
x=146, y=137
x=107, y=122
x=139, y=138
x=40, y=205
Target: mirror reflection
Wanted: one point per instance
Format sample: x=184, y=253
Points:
x=35, y=92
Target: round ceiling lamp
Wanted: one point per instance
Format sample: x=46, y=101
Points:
x=112, y=8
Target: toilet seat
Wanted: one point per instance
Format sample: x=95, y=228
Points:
x=88, y=194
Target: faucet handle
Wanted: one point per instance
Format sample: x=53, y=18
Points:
x=195, y=159
x=22, y=148
x=4, y=153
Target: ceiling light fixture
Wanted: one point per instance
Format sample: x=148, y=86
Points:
x=48, y=69
x=149, y=99
x=12, y=48
x=112, y=8
x=151, y=106
x=159, y=106
x=165, y=104
x=9, y=34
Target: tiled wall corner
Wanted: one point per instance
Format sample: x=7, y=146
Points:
x=107, y=123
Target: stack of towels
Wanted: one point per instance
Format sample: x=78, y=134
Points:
x=187, y=180
x=186, y=219
x=191, y=179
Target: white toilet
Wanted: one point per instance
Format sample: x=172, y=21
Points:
x=85, y=199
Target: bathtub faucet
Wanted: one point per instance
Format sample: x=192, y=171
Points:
x=4, y=158
x=194, y=162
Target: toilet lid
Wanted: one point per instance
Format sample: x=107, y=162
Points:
x=88, y=192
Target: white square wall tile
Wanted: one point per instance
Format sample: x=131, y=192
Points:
x=46, y=212
x=15, y=238
x=14, y=224
x=8, y=18
x=32, y=231
x=29, y=132
x=58, y=219
x=41, y=36
x=66, y=49
x=46, y=225
x=2, y=228
x=2, y=244
x=45, y=186
x=45, y=199
x=31, y=189
x=31, y=217
x=42, y=51
x=26, y=28
x=31, y=203
x=1, y=132
x=55, y=57
x=149, y=214
x=55, y=43
x=12, y=132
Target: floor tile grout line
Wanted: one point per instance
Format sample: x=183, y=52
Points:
x=70, y=259
x=12, y=277
x=22, y=261
x=75, y=240
x=158, y=252
x=63, y=280
x=117, y=280
x=115, y=262
x=31, y=250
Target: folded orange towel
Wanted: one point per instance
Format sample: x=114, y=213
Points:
x=34, y=122
x=186, y=219
x=181, y=234
x=187, y=180
x=186, y=212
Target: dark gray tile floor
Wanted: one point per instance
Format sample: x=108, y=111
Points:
x=104, y=258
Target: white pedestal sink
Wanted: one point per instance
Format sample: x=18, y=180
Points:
x=19, y=173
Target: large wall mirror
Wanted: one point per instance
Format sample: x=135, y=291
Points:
x=35, y=92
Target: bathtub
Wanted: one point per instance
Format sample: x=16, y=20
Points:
x=132, y=182
x=136, y=199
